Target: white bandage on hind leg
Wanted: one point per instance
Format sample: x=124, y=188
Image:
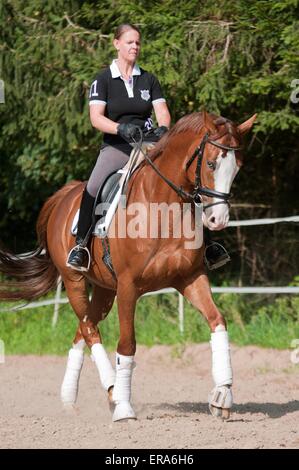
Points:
x=221, y=363
x=124, y=371
x=104, y=366
x=69, y=387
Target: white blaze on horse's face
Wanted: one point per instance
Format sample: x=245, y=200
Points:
x=217, y=217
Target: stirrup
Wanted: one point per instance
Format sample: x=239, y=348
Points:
x=79, y=268
x=223, y=259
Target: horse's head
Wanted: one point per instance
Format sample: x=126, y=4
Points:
x=217, y=160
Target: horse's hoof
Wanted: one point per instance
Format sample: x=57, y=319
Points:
x=123, y=410
x=221, y=401
x=70, y=408
x=110, y=400
x=223, y=413
x=215, y=411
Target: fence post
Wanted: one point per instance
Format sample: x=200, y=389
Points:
x=181, y=313
x=57, y=301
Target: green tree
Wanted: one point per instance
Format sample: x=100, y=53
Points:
x=233, y=57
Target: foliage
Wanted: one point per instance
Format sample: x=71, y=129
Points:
x=232, y=57
x=250, y=319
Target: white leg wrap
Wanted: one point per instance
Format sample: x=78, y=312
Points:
x=122, y=389
x=80, y=345
x=221, y=363
x=106, y=371
x=69, y=388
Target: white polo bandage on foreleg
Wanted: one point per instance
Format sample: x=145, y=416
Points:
x=221, y=363
x=124, y=371
x=69, y=387
x=104, y=366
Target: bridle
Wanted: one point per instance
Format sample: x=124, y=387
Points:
x=199, y=190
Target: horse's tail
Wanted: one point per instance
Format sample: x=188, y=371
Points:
x=35, y=274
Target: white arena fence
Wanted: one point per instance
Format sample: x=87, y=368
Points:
x=217, y=290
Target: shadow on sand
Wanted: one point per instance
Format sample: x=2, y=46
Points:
x=273, y=410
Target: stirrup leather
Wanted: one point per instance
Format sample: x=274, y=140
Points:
x=79, y=268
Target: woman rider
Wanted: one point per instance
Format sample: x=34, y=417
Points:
x=121, y=100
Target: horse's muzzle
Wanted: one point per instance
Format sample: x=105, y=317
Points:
x=215, y=222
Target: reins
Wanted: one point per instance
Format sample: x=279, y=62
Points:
x=199, y=190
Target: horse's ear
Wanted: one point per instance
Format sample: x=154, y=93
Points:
x=247, y=125
x=208, y=122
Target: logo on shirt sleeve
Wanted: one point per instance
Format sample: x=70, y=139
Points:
x=145, y=94
x=93, y=89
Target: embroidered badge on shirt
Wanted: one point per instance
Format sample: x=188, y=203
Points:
x=145, y=95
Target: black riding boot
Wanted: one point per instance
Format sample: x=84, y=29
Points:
x=215, y=254
x=79, y=257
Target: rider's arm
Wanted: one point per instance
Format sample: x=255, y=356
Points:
x=98, y=95
x=162, y=114
x=100, y=121
x=159, y=103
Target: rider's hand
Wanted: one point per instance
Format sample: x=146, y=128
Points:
x=160, y=131
x=128, y=131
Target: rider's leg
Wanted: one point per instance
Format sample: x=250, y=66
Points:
x=215, y=254
x=110, y=160
x=79, y=256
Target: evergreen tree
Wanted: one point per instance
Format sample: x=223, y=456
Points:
x=232, y=57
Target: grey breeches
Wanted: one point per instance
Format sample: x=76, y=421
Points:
x=109, y=160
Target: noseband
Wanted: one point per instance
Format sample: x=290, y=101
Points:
x=198, y=189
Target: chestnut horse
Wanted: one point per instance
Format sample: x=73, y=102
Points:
x=195, y=162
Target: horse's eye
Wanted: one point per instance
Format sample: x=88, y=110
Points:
x=211, y=165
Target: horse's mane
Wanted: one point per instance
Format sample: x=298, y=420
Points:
x=190, y=122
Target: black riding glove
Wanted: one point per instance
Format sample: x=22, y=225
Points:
x=160, y=131
x=128, y=131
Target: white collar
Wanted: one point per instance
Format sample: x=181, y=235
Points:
x=115, y=72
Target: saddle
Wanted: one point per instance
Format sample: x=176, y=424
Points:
x=109, y=194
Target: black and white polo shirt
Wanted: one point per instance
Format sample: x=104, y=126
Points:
x=126, y=101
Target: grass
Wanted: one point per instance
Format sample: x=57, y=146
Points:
x=265, y=322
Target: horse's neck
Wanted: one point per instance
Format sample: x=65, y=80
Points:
x=170, y=165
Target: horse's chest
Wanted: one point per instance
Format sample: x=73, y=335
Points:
x=168, y=265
